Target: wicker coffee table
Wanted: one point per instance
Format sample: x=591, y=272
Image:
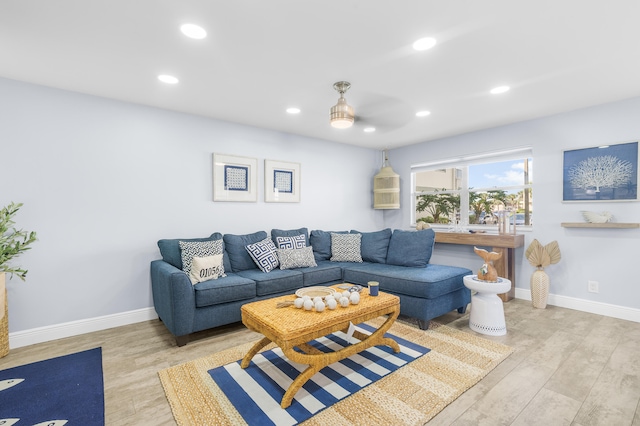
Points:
x=290, y=327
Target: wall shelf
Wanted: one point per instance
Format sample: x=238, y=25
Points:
x=599, y=225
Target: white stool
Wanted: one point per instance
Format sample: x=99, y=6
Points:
x=487, y=313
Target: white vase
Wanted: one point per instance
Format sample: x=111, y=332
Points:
x=539, y=289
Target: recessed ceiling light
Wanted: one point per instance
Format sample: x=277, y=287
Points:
x=169, y=79
x=293, y=110
x=369, y=129
x=424, y=43
x=193, y=31
x=500, y=89
x=423, y=113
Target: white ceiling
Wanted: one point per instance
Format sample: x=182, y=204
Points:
x=261, y=57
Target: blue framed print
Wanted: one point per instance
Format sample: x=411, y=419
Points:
x=281, y=182
x=235, y=178
x=601, y=173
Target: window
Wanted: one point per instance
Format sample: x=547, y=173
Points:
x=475, y=190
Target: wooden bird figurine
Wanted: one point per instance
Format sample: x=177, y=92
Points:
x=487, y=272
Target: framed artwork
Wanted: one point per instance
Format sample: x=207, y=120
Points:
x=281, y=182
x=601, y=173
x=235, y=178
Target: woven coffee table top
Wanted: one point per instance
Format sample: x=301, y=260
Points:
x=290, y=323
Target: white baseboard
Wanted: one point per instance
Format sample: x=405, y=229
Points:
x=599, y=308
x=74, y=328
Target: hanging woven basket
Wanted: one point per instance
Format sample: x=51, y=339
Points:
x=539, y=289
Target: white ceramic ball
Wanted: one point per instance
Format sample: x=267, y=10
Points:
x=332, y=304
x=319, y=306
x=305, y=297
x=354, y=298
x=344, y=301
x=317, y=299
x=308, y=304
x=346, y=294
x=329, y=297
x=298, y=302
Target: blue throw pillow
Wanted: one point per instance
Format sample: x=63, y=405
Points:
x=238, y=255
x=275, y=233
x=290, y=243
x=375, y=245
x=263, y=254
x=411, y=248
x=170, y=249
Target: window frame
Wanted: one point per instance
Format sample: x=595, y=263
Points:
x=464, y=162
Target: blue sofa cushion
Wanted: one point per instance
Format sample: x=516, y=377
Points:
x=223, y=290
x=321, y=243
x=276, y=281
x=429, y=282
x=325, y=273
x=411, y=248
x=375, y=245
x=170, y=250
x=275, y=233
x=238, y=255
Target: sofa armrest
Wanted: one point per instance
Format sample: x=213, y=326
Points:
x=173, y=297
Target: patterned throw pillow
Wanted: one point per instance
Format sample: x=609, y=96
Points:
x=346, y=247
x=290, y=243
x=206, y=268
x=296, y=258
x=191, y=249
x=263, y=254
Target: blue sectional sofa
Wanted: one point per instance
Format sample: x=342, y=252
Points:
x=398, y=260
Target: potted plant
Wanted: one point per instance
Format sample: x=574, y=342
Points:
x=13, y=242
x=541, y=256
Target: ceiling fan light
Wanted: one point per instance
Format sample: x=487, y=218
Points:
x=342, y=115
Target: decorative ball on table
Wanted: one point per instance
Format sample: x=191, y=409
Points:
x=308, y=305
x=344, y=301
x=488, y=272
x=332, y=303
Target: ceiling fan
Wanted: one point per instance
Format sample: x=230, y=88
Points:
x=378, y=111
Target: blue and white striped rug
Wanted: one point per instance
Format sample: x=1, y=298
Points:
x=256, y=391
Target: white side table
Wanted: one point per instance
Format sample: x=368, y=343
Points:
x=487, y=313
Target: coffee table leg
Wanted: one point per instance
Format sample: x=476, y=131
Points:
x=317, y=361
x=254, y=350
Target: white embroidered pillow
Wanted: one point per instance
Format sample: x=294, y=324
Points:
x=206, y=268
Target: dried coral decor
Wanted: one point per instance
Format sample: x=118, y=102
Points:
x=290, y=328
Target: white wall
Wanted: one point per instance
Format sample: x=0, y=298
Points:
x=102, y=181
x=604, y=255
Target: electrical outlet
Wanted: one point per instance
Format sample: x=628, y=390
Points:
x=593, y=286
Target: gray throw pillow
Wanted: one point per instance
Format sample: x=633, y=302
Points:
x=346, y=247
x=296, y=258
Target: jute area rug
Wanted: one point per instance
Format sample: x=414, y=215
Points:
x=411, y=395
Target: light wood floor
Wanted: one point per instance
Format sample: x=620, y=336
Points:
x=568, y=368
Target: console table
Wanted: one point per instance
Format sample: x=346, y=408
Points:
x=500, y=243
